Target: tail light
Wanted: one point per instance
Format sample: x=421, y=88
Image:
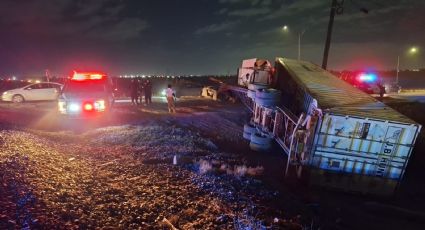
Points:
x=88, y=107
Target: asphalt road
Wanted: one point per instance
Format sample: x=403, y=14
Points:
x=43, y=115
x=418, y=95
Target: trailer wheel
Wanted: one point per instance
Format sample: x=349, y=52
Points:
x=251, y=94
x=261, y=139
x=257, y=86
x=267, y=97
x=247, y=136
x=249, y=128
x=268, y=94
x=258, y=148
x=266, y=102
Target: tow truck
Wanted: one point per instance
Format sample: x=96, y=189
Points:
x=85, y=95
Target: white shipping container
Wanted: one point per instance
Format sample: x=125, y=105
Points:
x=357, y=135
x=343, y=137
x=363, y=146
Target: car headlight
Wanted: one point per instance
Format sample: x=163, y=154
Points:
x=4, y=93
x=74, y=107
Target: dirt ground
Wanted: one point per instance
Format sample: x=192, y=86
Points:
x=147, y=169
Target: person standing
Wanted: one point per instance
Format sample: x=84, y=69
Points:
x=134, y=86
x=170, y=99
x=141, y=91
x=148, y=92
x=381, y=91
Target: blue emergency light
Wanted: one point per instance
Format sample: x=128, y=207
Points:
x=368, y=77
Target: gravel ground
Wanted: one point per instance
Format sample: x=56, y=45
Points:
x=120, y=175
x=124, y=177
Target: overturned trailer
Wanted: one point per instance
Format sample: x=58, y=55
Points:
x=334, y=134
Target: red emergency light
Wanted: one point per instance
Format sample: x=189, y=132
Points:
x=87, y=76
x=367, y=77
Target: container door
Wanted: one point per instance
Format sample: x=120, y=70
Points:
x=363, y=146
x=388, y=150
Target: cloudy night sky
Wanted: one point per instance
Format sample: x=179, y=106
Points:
x=203, y=36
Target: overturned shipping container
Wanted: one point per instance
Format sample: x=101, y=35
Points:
x=353, y=142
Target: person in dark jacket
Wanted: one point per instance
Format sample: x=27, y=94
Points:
x=148, y=92
x=134, y=87
x=381, y=91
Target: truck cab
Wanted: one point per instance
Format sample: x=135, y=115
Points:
x=255, y=71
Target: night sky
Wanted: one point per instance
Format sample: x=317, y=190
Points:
x=202, y=36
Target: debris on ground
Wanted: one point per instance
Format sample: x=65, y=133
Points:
x=124, y=177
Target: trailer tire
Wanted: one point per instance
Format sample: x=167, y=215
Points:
x=268, y=94
x=261, y=139
x=251, y=94
x=257, y=86
x=258, y=148
x=249, y=128
x=267, y=102
x=247, y=136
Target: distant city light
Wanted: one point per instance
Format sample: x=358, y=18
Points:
x=413, y=50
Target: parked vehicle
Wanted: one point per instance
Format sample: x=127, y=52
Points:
x=42, y=91
x=86, y=95
x=393, y=87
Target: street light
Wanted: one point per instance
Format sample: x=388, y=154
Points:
x=299, y=44
x=285, y=28
x=412, y=50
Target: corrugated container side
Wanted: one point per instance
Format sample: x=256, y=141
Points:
x=294, y=97
x=363, y=146
x=360, y=144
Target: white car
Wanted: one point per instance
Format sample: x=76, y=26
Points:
x=42, y=91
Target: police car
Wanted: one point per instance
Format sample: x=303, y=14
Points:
x=86, y=94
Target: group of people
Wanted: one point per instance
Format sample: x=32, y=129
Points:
x=140, y=88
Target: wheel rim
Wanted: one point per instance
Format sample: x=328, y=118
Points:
x=18, y=99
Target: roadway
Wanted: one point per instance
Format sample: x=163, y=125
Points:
x=411, y=96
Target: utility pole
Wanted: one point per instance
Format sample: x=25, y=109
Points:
x=398, y=69
x=337, y=7
x=329, y=35
x=299, y=47
x=47, y=75
x=299, y=44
